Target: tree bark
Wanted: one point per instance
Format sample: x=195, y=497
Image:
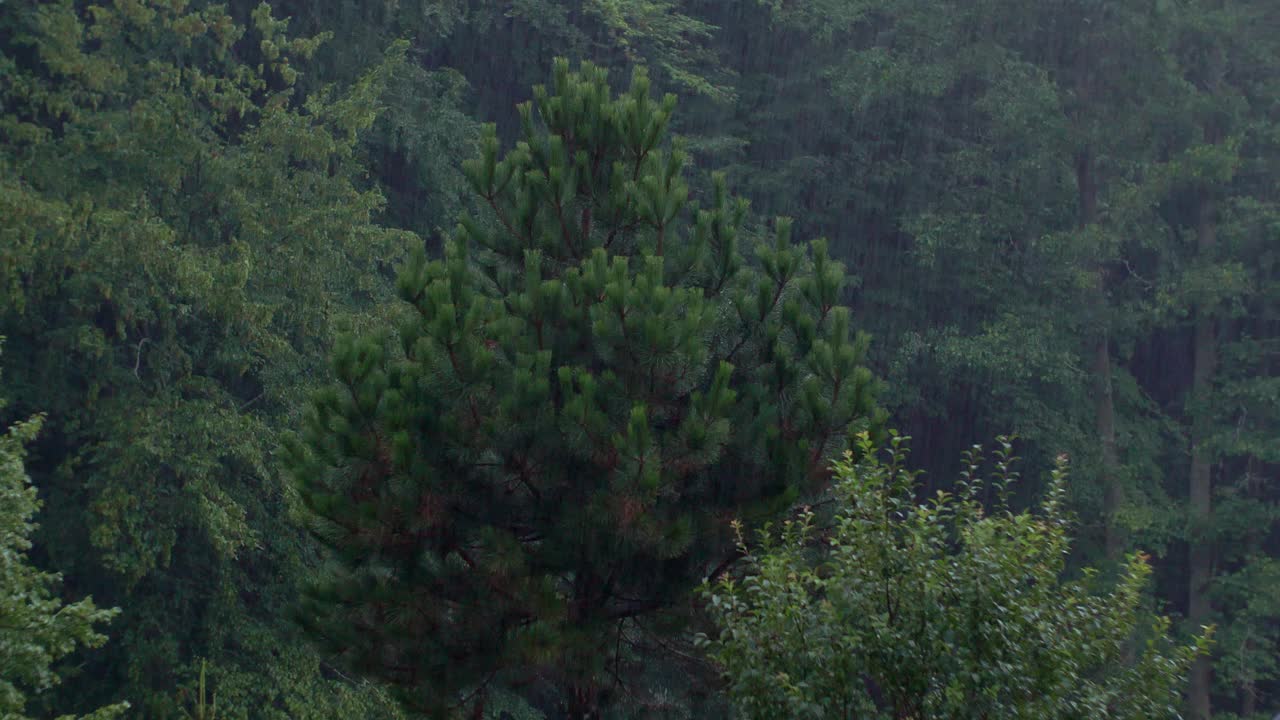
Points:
x=1249, y=700
x=1103, y=398
x=1105, y=412
x=584, y=703
x=1200, y=489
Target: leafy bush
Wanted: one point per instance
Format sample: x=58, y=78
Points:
x=938, y=610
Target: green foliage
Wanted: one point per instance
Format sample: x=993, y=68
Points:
x=190, y=201
x=202, y=710
x=181, y=233
x=900, y=609
x=588, y=380
x=37, y=629
x=1019, y=188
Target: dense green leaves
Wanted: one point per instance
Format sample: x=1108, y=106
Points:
x=891, y=608
x=180, y=234
x=36, y=628
x=1059, y=218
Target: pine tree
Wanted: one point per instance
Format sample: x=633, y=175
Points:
x=594, y=378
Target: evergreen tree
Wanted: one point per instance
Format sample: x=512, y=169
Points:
x=590, y=382
x=472, y=60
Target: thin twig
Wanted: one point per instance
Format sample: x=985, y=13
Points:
x=137, y=356
x=255, y=399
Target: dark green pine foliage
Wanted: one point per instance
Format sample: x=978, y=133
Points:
x=594, y=379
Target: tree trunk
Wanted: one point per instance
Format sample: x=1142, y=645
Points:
x=584, y=703
x=587, y=607
x=1249, y=700
x=1200, y=488
x=1105, y=412
x=1103, y=399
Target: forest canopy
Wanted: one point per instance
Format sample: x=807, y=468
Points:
x=465, y=358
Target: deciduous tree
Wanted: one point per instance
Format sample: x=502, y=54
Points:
x=899, y=609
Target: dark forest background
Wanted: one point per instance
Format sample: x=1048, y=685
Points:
x=1062, y=220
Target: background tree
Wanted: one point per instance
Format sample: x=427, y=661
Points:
x=179, y=234
x=974, y=267
x=592, y=377
x=1214, y=281
x=899, y=609
x=475, y=61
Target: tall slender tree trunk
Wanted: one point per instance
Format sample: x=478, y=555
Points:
x=584, y=703
x=1105, y=412
x=1103, y=399
x=1200, y=489
x=1248, y=700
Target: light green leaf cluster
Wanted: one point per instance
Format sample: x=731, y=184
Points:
x=37, y=629
x=955, y=607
